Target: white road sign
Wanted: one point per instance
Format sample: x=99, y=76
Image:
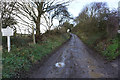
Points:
x=7, y=31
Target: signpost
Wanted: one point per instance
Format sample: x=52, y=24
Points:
x=7, y=32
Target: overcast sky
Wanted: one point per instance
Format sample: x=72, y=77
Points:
x=77, y=5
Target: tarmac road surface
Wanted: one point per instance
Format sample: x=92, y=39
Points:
x=76, y=60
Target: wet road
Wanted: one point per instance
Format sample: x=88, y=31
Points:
x=79, y=62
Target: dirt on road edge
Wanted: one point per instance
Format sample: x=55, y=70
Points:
x=35, y=66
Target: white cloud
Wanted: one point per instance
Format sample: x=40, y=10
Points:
x=77, y=5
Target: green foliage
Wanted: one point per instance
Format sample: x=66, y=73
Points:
x=21, y=58
x=66, y=25
x=18, y=41
x=110, y=50
x=95, y=25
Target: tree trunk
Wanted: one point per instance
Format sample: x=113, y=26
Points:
x=40, y=11
x=33, y=35
x=37, y=36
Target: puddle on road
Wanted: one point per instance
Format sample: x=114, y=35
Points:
x=60, y=64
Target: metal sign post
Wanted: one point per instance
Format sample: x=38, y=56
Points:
x=8, y=43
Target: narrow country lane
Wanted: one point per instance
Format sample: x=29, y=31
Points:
x=77, y=61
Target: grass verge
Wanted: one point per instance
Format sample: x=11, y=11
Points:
x=106, y=47
x=109, y=48
x=21, y=58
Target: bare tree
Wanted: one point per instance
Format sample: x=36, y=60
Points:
x=35, y=10
x=112, y=24
x=6, y=14
x=61, y=14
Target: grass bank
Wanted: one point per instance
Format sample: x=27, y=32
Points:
x=108, y=48
x=21, y=58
